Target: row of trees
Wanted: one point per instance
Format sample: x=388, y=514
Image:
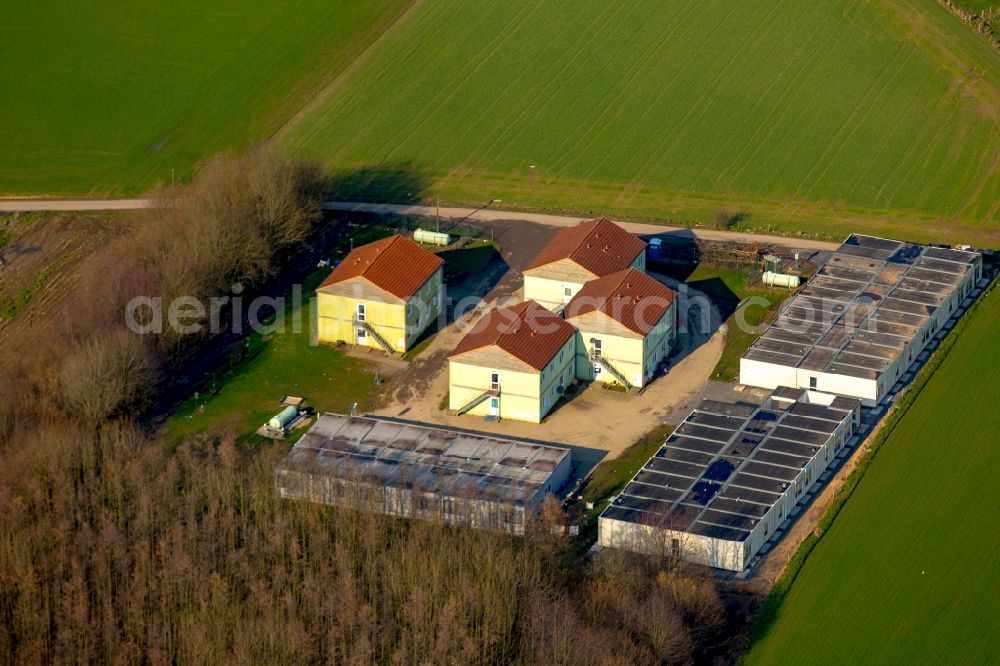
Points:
x=115, y=549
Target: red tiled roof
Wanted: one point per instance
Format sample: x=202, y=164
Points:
x=599, y=246
x=630, y=297
x=526, y=331
x=395, y=264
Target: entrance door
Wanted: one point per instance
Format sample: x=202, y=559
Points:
x=494, y=406
x=362, y=335
x=567, y=294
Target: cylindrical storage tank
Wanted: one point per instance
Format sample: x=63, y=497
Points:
x=283, y=419
x=431, y=237
x=772, y=279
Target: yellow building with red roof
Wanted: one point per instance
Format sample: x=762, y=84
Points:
x=514, y=363
x=577, y=255
x=627, y=323
x=383, y=295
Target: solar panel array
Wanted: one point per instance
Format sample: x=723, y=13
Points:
x=400, y=454
x=857, y=314
x=726, y=465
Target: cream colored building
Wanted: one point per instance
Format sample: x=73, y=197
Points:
x=383, y=295
x=729, y=477
x=515, y=364
x=862, y=320
x=577, y=255
x=627, y=324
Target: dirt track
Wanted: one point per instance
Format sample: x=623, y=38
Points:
x=468, y=214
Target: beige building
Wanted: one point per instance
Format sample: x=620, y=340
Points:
x=627, y=323
x=577, y=255
x=515, y=363
x=383, y=295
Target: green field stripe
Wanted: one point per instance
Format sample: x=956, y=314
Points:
x=616, y=99
x=850, y=128
x=473, y=67
x=628, y=91
x=777, y=107
x=340, y=94
x=638, y=132
x=662, y=107
x=667, y=108
x=389, y=71
x=670, y=141
x=545, y=89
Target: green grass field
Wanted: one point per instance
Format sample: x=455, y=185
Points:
x=729, y=291
x=107, y=98
x=906, y=573
x=829, y=117
x=244, y=393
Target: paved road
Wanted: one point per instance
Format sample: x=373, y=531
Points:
x=451, y=213
x=44, y=205
x=491, y=215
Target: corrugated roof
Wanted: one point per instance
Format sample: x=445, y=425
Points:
x=412, y=455
x=395, y=264
x=630, y=297
x=599, y=246
x=526, y=331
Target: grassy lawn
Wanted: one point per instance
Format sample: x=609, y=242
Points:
x=611, y=476
x=728, y=290
x=905, y=574
x=267, y=367
x=109, y=97
x=821, y=117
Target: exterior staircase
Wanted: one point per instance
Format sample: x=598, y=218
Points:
x=370, y=330
x=478, y=400
x=612, y=370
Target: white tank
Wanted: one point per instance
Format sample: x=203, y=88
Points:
x=431, y=237
x=780, y=280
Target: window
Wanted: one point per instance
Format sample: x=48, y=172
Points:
x=567, y=291
x=675, y=547
x=361, y=311
x=597, y=346
x=812, y=382
x=494, y=381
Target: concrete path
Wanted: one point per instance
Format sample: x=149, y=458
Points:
x=479, y=215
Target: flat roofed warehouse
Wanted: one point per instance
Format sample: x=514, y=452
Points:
x=859, y=323
x=728, y=475
x=416, y=471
